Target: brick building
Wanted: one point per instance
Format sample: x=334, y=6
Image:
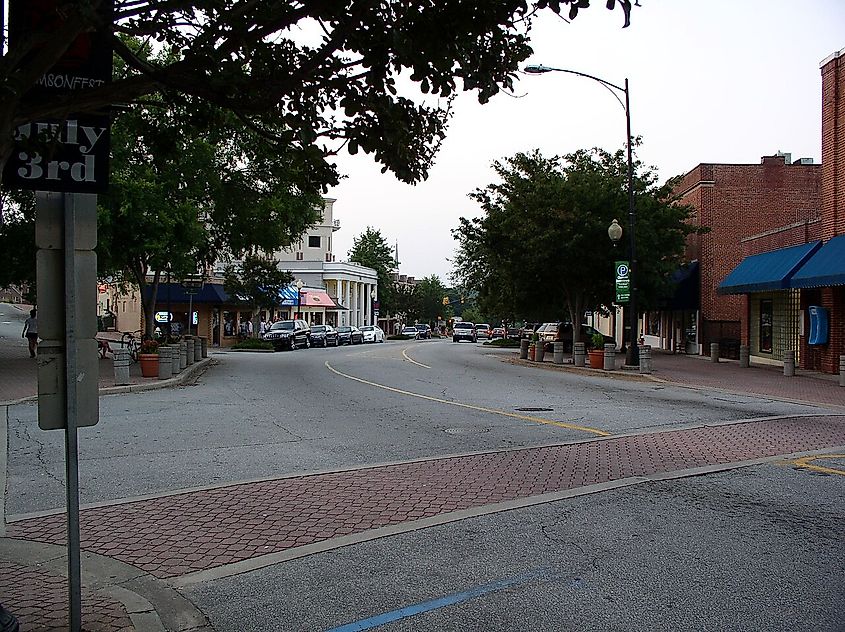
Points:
x=738, y=204
x=790, y=287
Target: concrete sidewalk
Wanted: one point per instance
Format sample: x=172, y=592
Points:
x=726, y=375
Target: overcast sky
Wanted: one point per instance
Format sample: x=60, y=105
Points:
x=710, y=81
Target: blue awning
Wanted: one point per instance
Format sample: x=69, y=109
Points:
x=825, y=268
x=175, y=293
x=289, y=296
x=767, y=271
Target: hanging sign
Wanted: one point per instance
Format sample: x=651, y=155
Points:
x=623, y=282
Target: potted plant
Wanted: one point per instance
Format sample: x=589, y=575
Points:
x=148, y=358
x=596, y=351
x=532, y=348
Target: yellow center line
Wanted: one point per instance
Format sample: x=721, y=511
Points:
x=410, y=359
x=539, y=420
x=805, y=463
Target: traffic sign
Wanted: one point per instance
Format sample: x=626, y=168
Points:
x=623, y=282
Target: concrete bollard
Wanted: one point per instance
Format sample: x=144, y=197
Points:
x=197, y=349
x=539, y=351
x=579, y=353
x=183, y=355
x=189, y=351
x=714, y=352
x=121, y=366
x=558, y=353
x=609, y=357
x=174, y=359
x=165, y=358
x=523, y=349
x=744, y=356
x=645, y=359
x=204, y=347
x=789, y=363
x=842, y=370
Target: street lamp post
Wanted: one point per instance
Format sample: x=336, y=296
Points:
x=299, y=285
x=372, y=305
x=632, y=357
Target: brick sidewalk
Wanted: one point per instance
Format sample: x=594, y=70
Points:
x=38, y=598
x=174, y=535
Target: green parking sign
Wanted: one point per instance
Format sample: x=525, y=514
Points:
x=623, y=282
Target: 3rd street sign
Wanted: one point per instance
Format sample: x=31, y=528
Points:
x=69, y=155
x=623, y=282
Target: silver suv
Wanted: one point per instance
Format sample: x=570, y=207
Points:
x=464, y=331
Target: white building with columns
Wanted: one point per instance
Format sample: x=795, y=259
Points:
x=352, y=287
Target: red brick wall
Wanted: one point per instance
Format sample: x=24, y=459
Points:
x=833, y=146
x=826, y=358
x=738, y=201
x=792, y=235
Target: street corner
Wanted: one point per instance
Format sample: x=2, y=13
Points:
x=116, y=597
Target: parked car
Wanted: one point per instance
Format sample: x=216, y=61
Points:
x=410, y=330
x=289, y=334
x=423, y=330
x=464, y=331
x=514, y=333
x=528, y=330
x=347, y=335
x=563, y=332
x=372, y=333
x=323, y=336
x=498, y=332
x=483, y=330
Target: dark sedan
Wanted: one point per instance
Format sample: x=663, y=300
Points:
x=324, y=336
x=347, y=335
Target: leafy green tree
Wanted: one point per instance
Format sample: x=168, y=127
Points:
x=407, y=306
x=430, y=292
x=303, y=73
x=258, y=281
x=372, y=250
x=541, y=248
x=17, y=242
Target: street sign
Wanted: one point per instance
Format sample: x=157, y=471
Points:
x=67, y=155
x=623, y=282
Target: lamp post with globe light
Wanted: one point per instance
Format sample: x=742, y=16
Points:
x=632, y=356
x=299, y=284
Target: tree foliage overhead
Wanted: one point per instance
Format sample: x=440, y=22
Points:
x=541, y=251
x=372, y=250
x=258, y=281
x=315, y=75
x=191, y=185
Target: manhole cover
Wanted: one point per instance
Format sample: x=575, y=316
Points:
x=534, y=409
x=459, y=431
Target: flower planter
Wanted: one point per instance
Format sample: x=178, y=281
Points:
x=596, y=358
x=149, y=364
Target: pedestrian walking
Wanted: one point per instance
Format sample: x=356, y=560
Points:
x=30, y=332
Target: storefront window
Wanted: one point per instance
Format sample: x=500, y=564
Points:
x=229, y=323
x=766, y=312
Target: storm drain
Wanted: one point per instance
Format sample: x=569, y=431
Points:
x=534, y=409
x=460, y=431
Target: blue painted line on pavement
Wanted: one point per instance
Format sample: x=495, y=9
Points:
x=449, y=600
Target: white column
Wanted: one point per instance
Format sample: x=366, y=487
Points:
x=368, y=305
x=346, y=320
x=362, y=305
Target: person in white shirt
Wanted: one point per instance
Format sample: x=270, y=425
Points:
x=30, y=331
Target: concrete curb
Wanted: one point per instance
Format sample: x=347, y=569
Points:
x=152, y=605
x=186, y=374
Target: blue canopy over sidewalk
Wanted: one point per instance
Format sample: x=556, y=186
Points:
x=825, y=268
x=768, y=271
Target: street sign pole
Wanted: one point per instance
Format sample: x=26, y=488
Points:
x=71, y=444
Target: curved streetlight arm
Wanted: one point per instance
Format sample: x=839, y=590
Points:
x=539, y=69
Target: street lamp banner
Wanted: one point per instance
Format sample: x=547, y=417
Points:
x=67, y=155
x=623, y=282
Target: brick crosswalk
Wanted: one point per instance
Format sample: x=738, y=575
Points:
x=179, y=534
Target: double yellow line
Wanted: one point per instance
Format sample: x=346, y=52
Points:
x=492, y=411
x=804, y=462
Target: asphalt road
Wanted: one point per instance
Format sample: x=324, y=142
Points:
x=265, y=415
x=752, y=549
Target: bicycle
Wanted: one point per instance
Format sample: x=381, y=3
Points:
x=132, y=341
